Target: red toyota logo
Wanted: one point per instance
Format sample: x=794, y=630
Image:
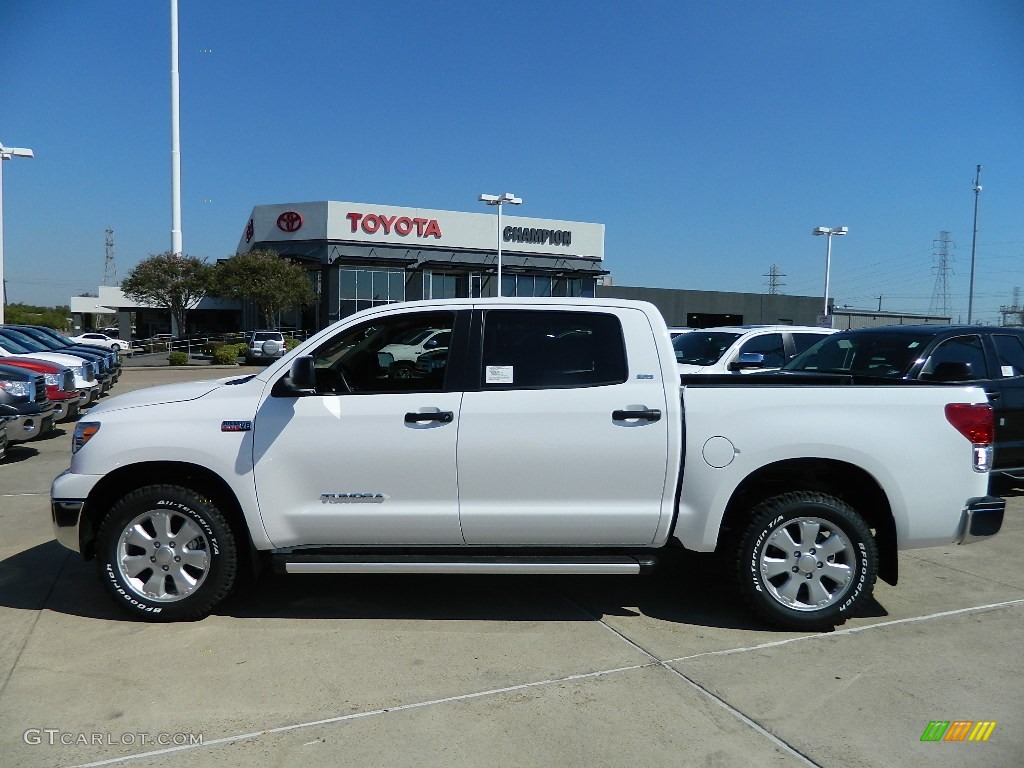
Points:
x=289, y=221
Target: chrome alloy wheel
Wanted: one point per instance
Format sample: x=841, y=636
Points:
x=807, y=563
x=163, y=556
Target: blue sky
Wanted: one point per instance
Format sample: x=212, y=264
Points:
x=709, y=138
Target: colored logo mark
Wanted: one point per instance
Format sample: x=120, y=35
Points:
x=958, y=730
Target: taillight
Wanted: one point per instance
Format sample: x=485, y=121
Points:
x=972, y=420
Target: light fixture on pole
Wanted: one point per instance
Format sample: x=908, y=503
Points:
x=6, y=153
x=829, y=232
x=498, y=201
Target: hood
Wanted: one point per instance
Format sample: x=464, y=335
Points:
x=168, y=393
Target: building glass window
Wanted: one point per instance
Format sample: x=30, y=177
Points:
x=443, y=285
x=364, y=288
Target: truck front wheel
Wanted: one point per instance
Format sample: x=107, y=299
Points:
x=166, y=553
x=806, y=561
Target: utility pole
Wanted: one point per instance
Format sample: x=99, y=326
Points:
x=974, y=244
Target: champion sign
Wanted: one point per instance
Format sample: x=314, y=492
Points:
x=537, y=236
x=372, y=223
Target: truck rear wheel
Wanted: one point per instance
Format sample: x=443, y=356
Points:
x=166, y=553
x=806, y=561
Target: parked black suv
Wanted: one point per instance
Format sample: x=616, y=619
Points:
x=23, y=402
x=990, y=357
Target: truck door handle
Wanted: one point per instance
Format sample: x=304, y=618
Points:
x=647, y=414
x=445, y=417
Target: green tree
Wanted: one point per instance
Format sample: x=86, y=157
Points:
x=261, y=276
x=169, y=281
x=27, y=314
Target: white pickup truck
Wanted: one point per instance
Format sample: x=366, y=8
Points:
x=554, y=437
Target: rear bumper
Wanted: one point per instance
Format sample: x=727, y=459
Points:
x=982, y=517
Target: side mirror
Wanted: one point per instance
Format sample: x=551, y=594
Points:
x=746, y=361
x=301, y=379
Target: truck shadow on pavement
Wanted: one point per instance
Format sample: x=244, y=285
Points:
x=688, y=589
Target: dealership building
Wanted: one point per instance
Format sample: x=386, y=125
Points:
x=360, y=255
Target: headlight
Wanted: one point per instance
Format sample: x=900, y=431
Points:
x=84, y=431
x=18, y=388
x=52, y=379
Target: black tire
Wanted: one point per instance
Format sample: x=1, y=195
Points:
x=811, y=584
x=197, y=557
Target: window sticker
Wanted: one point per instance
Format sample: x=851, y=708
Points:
x=1008, y=370
x=498, y=374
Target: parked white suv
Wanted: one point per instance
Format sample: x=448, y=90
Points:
x=265, y=346
x=743, y=348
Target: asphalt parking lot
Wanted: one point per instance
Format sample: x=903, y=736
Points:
x=666, y=670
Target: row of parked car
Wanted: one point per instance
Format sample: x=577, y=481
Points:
x=47, y=378
x=990, y=357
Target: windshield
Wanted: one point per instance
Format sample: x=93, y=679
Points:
x=884, y=355
x=40, y=338
x=264, y=336
x=9, y=345
x=702, y=347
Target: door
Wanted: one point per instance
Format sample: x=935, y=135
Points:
x=564, y=440
x=1006, y=393
x=370, y=457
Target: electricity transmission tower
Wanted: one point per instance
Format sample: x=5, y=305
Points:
x=773, y=276
x=109, y=267
x=1013, y=315
x=944, y=257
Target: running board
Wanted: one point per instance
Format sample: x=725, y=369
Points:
x=298, y=562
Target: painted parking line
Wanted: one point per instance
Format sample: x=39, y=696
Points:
x=851, y=630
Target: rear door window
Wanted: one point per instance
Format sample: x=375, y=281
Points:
x=1010, y=350
x=548, y=349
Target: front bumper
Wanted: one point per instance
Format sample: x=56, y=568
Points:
x=982, y=517
x=66, y=515
x=67, y=409
x=25, y=427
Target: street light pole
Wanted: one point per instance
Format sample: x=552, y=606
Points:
x=500, y=200
x=974, y=244
x=6, y=153
x=828, y=232
x=175, y=138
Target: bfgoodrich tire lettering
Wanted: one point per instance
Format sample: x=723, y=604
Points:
x=806, y=561
x=165, y=552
